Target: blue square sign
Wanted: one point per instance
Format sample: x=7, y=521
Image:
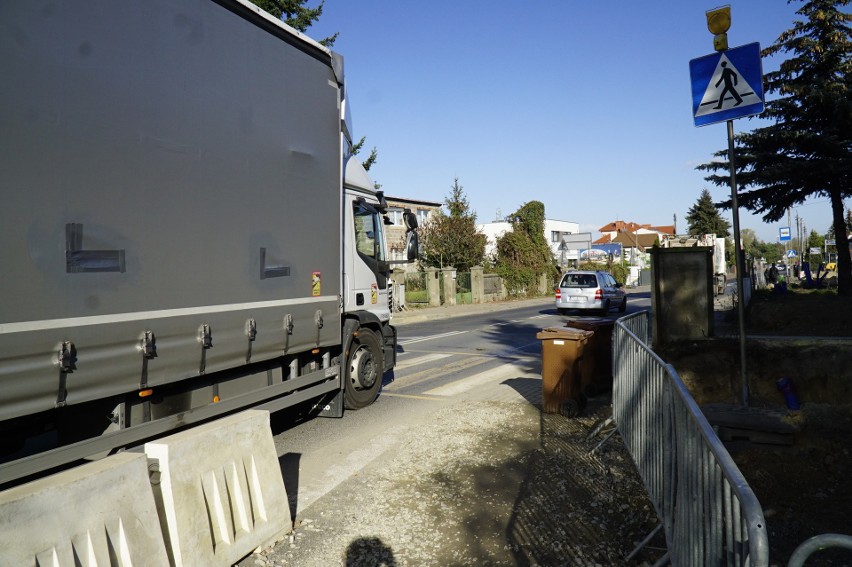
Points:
x=727, y=85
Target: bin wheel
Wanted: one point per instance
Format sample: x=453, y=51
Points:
x=569, y=408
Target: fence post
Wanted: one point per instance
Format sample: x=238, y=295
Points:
x=477, y=284
x=449, y=285
x=433, y=287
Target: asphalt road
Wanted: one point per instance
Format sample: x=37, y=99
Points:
x=446, y=356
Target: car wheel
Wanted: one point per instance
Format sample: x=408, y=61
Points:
x=623, y=307
x=605, y=308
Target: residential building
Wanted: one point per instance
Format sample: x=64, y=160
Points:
x=555, y=232
x=634, y=238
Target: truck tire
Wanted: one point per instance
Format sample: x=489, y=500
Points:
x=363, y=370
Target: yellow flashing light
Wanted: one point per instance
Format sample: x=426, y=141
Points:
x=719, y=19
x=719, y=22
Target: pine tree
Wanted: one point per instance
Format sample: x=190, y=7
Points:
x=295, y=14
x=452, y=239
x=807, y=152
x=704, y=218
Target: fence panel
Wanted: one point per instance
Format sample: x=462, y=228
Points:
x=709, y=514
x=493, y=284
x=416, y=290
x=464, y=290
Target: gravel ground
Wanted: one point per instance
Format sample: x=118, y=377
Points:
x=489, y=480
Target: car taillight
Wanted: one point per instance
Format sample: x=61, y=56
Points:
x=598, y=294
x=558, y=293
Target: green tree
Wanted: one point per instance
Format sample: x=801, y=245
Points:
x=523, y=252
x=704, y=218
x=452, y=239
x=295, y=14
x=807, y=151
x=814, y=240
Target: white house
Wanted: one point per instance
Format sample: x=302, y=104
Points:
x=555, y=232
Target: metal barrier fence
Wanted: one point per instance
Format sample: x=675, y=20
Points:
x=709, y=514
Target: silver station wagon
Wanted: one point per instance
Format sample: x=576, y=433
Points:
x=589, y=290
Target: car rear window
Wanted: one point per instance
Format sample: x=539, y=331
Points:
x=579, y=280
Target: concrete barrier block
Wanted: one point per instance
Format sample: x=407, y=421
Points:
x=100, y=513
x=220, y=492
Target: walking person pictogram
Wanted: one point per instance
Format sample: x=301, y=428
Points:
x=730, y=79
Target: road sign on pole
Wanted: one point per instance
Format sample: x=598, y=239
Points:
x=784, y=233
x=727, y=85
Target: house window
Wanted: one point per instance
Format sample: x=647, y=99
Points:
x=395, y=216
x=555, y=236
x=422, y=216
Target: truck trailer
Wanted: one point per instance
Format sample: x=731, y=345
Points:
x=185, y=231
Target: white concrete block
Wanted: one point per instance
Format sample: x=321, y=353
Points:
x=100, y=513
x=221, y=493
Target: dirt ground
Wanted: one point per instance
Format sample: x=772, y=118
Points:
x=803, y=480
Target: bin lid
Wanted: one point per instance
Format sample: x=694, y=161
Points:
x=564, y=333
x=590, y=323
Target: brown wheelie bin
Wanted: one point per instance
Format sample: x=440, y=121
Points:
x=597, y=357
x=562, y=381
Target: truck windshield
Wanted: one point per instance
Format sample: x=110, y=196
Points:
x=369, y=234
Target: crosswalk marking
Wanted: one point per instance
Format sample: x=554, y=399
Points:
x=430, y=337
x=421, y=360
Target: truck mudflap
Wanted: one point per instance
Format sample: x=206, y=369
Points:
x=389, y=346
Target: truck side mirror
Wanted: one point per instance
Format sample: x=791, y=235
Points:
x=410, y=219
x=412, y=245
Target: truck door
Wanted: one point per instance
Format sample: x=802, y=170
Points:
x=370, y=275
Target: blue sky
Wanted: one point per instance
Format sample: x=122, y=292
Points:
x=584, y=106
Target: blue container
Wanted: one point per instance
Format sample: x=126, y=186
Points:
x=785, y=386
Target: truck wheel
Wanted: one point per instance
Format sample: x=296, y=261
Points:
x=363, y=370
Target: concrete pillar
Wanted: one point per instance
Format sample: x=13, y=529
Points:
x=544, y=284
x=449, y=285
x=433, y=287
x=477, y=284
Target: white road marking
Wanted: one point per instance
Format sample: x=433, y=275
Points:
x=431, y=337
x=421, y=360
x=496, y=375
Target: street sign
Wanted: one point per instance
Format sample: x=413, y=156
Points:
x=727, y=85
x=792, y=253
x=784, y=233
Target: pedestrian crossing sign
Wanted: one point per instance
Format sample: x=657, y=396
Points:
x=727, y=85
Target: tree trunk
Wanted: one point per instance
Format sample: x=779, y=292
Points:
x=841, y=240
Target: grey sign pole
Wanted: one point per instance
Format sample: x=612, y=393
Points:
x=740, y=262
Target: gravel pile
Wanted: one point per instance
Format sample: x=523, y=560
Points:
x=481, y=483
